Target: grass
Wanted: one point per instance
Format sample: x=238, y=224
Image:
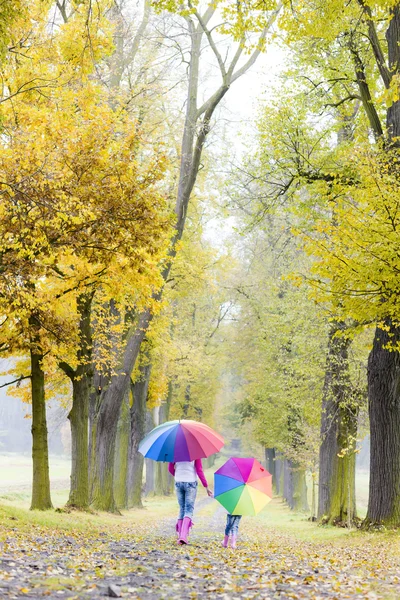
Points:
x=23, y=498
x=16, y=469
x=276, y=517
x=15, y=496
x=154, y=509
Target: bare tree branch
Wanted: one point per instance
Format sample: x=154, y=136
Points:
x=139, y=34
x=212, y=45
x=15, y=380
x=68, y=370
x=230, y=76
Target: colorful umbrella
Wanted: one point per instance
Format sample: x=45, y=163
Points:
x=182, y=440
x=243, y=486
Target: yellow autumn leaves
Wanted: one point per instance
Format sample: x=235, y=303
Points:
x=81, y=196
x=357, y=245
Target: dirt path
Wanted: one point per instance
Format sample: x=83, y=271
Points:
x=144, y=561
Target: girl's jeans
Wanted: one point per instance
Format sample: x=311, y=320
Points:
x=232, y=524
x=186, y=493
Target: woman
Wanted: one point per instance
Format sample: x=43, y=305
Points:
x=186, y=474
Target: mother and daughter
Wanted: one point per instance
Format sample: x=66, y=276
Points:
x=186, y=474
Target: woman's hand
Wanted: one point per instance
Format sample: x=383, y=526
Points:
x=209, y=493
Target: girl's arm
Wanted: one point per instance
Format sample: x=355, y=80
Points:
x=171, y=468
x=199, y=470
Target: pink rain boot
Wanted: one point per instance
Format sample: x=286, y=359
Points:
x=225, y=542
x=233, y=541
x=178, y=527
x=187, y=523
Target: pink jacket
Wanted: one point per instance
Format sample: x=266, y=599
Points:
x=199, y=470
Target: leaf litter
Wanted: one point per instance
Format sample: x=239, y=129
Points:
x=141, y=560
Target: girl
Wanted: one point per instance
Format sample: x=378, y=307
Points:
x=186, y=474
x=231, y=529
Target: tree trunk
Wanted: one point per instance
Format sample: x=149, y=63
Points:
x=78, y=418
x=186, y=403
x=161, y=487
x=111, y=396
x=138, y=426
x=82, y=380
x=150, y=464
x=343, y=492
x=103, y=474
x=384, y=415
x=121, y=454
x=314, y=497
x=162, y=479
x=294, y=486
x=384, y=365
x=94, y=407
x=338, y=436
x=41, y=499
x=288, y=482
x=279, y=474
x=393, y=44
x=210, y=461
x=299, y=500
x=150, y=477
x=106, y=420
x=169, y=485
x=271, y=465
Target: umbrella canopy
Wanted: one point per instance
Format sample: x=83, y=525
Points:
x=182, y=440
x=243, y=486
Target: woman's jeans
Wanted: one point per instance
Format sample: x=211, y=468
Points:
x=186, y=493
x=232, y=524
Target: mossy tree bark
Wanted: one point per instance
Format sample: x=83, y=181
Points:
x=41, y=499
x=384, y=415
x=150, y=477
x=271, y=465
x=294, y=486
x=102, y=488
x=139, y=391
x=78, y=418
x=106, y=408
x=383, y=364
x=122, y=454
x=287, y=488
x=210, y=461
x=336, y=494
x=299, y=500
x=150, y=464
x=82, y=382
x=162, y=486
x=162, y=478
x=279, y=473
x=94, y=399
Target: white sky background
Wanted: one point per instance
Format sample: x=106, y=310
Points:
x=239, y=110
x=244, y=97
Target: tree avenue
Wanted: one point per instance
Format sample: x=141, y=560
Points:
x=351, y=204
x=128, y=296
x=195, y=129
x=86, y=224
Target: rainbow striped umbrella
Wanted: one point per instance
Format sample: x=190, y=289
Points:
x=182, y=440
x=243, y=486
